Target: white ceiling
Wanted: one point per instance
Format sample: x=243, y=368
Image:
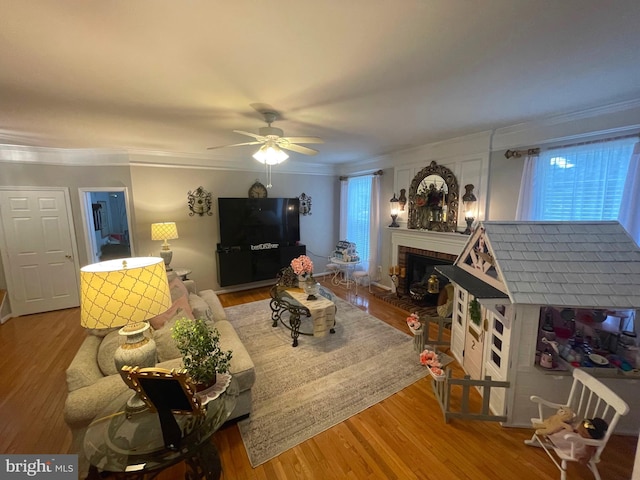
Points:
x=368, y=76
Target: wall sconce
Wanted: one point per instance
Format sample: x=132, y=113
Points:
x=199, y=202
x=394, y=211
x=469, y=202
x=402, y=199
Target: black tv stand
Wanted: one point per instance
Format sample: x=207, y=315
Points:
x=241, y=264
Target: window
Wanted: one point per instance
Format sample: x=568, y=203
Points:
x=583, y=182
x=358, y=214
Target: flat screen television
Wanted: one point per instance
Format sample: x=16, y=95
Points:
x=254, y=221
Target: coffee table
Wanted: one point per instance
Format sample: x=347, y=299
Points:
x=322, y=310
x=132, y=446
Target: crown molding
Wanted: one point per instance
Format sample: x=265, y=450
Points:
x=63, y=156
x=610, y=119
x=141, y=158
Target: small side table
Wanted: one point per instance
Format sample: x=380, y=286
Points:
x=183, y=273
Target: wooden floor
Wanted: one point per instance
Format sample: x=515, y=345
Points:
x=403, y=437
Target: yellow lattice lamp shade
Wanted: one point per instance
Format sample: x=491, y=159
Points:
x=118, y=292
x=164, y=231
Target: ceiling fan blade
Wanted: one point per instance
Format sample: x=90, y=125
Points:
x=235, y=145
x=254, y=135
x=298, y=148
x=304, y=139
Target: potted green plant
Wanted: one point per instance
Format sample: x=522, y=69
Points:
x=199, y=345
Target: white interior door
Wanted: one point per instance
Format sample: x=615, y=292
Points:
x=38, y=250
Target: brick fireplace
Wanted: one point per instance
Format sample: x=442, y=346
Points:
x=417, y=263
x=440, y=247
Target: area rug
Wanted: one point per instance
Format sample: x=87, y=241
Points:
x=302, y=391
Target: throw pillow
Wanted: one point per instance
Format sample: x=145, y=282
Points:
x=177, y=289
x=200, y=308
x=106, y=351
x=165, y=344
x=182, y=303
x=101, y=332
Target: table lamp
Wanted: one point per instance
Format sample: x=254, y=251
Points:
x=165, y=231
x=125, y=293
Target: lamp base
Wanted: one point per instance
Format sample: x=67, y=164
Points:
x=394, y=224
x=167, y=255
x=138, y=350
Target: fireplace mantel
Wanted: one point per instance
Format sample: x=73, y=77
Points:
x=444, y=242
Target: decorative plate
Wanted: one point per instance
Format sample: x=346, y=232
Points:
x=222, y=382
x=598, y=360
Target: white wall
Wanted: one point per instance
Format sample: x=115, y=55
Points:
x=159, y=194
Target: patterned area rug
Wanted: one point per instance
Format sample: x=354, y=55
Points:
x=300, y=392
x=405, y=303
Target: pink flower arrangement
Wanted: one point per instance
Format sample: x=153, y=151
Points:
x=413, y=321
x=430, y=359
x=302, y=265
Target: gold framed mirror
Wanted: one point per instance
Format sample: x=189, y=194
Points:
x=433, y=200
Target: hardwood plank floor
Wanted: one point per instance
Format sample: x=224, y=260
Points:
x=402, y=437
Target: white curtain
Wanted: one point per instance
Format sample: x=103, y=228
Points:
x=629, y=216
x=344, y=204
x=374, y=229
x=524, y=210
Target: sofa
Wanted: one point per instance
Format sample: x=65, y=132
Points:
x=93, y=381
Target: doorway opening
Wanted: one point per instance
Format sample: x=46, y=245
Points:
x=107, y=223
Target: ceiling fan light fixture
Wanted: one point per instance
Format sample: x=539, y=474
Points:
x=270, y=155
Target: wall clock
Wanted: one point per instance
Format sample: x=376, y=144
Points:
x=257, y=190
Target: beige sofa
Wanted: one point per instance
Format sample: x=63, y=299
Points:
x=93, y=381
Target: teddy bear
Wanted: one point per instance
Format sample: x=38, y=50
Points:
x=556, y=422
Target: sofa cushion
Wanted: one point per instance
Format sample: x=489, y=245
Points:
x=83, y=370
x=181, y=303
x=242, y=367
x=106, y=352
x=217, y=310
x=200, y=308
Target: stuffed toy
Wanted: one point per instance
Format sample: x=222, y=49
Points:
x=591, y=428
x=556, y=422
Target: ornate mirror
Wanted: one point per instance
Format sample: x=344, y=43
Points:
x=433, y=200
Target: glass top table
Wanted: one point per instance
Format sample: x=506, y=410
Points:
x=132, y=444
x=321, y=311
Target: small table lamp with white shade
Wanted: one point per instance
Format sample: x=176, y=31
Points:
x=165, y=231
x=125, y=293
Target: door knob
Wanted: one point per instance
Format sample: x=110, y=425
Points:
x=68, y=257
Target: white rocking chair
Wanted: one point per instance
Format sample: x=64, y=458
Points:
x=589, y=398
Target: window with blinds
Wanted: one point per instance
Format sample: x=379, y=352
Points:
x=358, y=208
x=583, y=182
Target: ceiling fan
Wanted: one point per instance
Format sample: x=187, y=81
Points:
x=273, y=141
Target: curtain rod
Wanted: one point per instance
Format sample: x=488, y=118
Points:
x=519, y=153
x=344, y=177
x=602, y=140
x=536, y=151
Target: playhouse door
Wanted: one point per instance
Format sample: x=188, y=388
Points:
x=497, y=355
x=473, y=350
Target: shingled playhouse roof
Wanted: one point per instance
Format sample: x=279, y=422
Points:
x=573, y=264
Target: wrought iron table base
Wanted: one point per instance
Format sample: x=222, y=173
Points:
x=295, y=312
